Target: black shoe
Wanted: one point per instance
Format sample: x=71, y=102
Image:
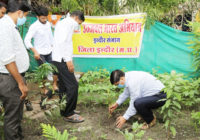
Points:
x=56, y=91
x=42, y=106
x=29, y=106
x=49, y=94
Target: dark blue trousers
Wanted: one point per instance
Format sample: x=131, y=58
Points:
x=145, y=105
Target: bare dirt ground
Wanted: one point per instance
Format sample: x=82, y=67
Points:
x=98, y=124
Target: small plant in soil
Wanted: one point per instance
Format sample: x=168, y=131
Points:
x=55, y=106
x=196, y=120
x=39, y=76
x=135, y=134
x=51, y=133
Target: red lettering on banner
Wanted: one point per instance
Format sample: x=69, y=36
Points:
x=110, y=28
x=107, y=49
x=130, y=27
x=82, y=49
x=125, y=27
x=131, y=50
x=93, y=28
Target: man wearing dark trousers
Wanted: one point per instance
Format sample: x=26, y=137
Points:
x=145, y=92
x=62, y=59
x=42, y=34
x=14, y=62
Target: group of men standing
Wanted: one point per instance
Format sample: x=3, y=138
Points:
x=14, y=61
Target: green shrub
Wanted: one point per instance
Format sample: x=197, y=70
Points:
x=180, y=92
x=178, y=85
x=196, y=120
x=95, y=87
x=39, y=75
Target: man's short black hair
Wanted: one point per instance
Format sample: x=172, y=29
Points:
x=116, y=75
x=3, y=5
x=41, y=11
x=79, y=14
x=15, y=5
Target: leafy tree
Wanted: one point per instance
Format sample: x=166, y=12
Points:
x=71, y=5
x=157, y=10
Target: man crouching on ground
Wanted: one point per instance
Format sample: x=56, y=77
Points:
x=145, y=92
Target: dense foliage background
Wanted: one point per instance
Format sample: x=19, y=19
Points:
x=174, y=13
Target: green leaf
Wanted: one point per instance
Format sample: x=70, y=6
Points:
x=173, y=130
x=177, y=104
x=167, y=104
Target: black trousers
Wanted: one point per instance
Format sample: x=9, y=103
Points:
x=10, y=96
x=45, y=58
x=68, y=86
x=145, y=105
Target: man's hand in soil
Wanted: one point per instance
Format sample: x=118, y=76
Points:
x=120, y=122
x=70, y=66
x=24, y=90
x=112, y=108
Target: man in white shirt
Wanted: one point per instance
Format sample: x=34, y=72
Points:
x=62, y=59
x=42, y=34
x=144, y=91
x=14, y=62
x=3, y=8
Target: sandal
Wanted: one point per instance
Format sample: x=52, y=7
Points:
x=77, y=112
x=74, y=119
x=147, y=126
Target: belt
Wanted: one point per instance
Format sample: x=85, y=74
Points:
x=8, y=74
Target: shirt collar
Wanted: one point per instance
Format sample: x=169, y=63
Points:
x=10, y=20
x=38, y=22
x=72, y=20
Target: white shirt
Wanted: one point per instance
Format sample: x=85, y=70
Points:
x=63, y=46
x=43, y=37
x=138, y=84
x=12, y=48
